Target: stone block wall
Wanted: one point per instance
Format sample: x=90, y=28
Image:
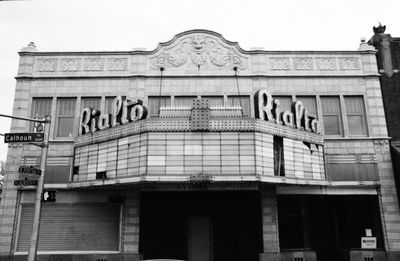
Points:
x=269, y=226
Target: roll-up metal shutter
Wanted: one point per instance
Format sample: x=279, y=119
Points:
x=72, y=227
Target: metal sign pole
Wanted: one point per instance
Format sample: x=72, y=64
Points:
x=39, y=192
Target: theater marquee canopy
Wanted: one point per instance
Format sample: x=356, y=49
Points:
x=199, y=143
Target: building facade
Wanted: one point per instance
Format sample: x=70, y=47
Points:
x=200, y=150
x=388, y=59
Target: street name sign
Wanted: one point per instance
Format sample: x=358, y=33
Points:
x=23, y=137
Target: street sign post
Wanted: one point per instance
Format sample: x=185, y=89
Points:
x=32, y=138
x=23, y=137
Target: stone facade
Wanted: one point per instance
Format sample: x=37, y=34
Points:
x=202, y=63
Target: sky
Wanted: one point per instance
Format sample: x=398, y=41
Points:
x=121, y=25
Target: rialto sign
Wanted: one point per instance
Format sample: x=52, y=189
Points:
x=266, y=108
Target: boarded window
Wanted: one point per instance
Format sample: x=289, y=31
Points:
x=72, y=227
x=332, y=116
x=243, y=101
x=65, y=117
x=156, y=102
x=355, y=112
x=309, y=103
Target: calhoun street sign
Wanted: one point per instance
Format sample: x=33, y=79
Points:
x=23, y=137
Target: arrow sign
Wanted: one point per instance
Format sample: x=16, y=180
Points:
x=23, y=137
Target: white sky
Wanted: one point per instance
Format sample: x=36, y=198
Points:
x=99, y=25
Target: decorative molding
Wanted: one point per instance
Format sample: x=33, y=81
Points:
x=300, y=63
x=117, y=64
x=199, y=51
x=70, y=64
x=349, y=63
x=46, y=65
x=94, y=64
x=282, y=63
x=325, y=63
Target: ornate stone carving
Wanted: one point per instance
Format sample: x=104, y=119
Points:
x=47, y=65
x=326, y=63
x=70, y=64
x=349, y=63
x=282, y=63
x=199, y=51
x=94, y=64
x=381, y=146
x=117, y=64
x=300, y=63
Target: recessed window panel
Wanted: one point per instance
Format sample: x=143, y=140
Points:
x=309, y=103
x=332, y=116
x=184, y=100
x=285, y=102
x=356, y=119
x=154, y=103
x=243, y=101
x=65, y=117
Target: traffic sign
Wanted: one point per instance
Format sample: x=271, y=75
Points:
x=23, y=137
x=49, y=196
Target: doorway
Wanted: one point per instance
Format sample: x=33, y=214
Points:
x=200, y=239
x=201, y=226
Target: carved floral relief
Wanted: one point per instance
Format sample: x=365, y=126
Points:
x=300, y=63
x=70, y=64
x=93, y=64
x=280, y=63
x=349, y=63
x=117, y=64
x=46, y=65
x=325, y=63
x=199, y=51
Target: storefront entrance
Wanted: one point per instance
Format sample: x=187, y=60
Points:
x=201, y=226
x=329, y=225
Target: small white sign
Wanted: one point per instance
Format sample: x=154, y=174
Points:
x=368, y=242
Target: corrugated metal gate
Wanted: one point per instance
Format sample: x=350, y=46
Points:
x=72, y=227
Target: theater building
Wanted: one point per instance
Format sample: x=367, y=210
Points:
x=202, y=151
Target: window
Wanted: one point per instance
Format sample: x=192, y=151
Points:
x=184, y=100
x=91, y=102
x=156, y=102
x=41, y=107
x=214, y=100
x=355, y=115
x=309, y=103
x=243, y=101
x=65, y=116
x=108, y=105
x=285, y=103
x=332, y=116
